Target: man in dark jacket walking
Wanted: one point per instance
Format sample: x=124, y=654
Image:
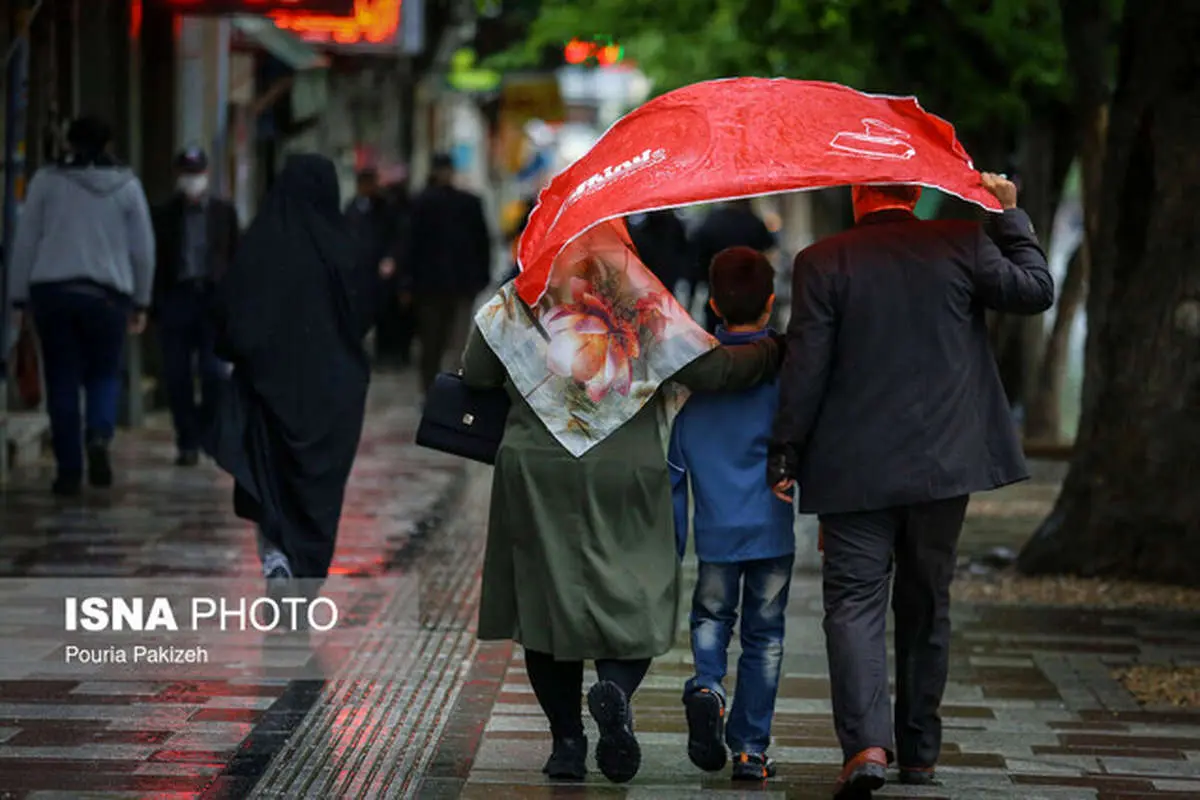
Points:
x=891, y=414
x=449, y=263
x=196, y=234
x=379, y=224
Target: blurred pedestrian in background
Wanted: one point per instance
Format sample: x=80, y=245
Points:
x=517, y=219
x=397, y=327
x=292, y=313
x=662, y=244
x=83, y=264
x=732, y=224
x=449, y=263
x=376, y=223
x=196, y=234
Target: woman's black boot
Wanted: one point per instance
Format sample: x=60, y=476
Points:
x=568, y=760
x=618, y=754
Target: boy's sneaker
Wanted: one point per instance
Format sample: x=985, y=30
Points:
x=618, y=754
x=706, y=729
x=752, y=767
x=568, y=760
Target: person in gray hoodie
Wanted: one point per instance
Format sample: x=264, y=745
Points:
x=83, y=265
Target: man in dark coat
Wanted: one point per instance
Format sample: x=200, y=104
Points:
x=732, y=224
x=449, y=263
x=377, y=221
x=891, y=414
x=370, y=216
x=196, y=234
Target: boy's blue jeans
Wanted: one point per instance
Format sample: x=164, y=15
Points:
x=762, y=586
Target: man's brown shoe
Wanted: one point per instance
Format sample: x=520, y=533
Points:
x=862, y=774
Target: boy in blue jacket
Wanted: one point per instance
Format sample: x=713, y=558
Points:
x=744, y=536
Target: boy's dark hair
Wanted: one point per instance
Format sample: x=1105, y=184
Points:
x=741, y=281
x=89, y=134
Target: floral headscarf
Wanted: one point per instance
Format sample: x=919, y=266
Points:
x=600, y=343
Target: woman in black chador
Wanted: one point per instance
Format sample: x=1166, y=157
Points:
x=293, y=310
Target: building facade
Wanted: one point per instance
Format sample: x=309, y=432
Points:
x=347, y=78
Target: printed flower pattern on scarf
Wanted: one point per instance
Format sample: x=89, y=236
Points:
x=590, y=344
x=600, y=343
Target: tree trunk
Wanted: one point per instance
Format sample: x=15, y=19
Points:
x=1130, y=505
x=1048, y=149
x=1087, y=25
x=1043, y=423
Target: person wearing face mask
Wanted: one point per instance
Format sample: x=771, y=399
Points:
x=196, y=234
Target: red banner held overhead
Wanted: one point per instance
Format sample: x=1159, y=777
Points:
x=742, y=137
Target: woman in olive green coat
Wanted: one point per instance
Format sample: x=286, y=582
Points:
x=581, y=558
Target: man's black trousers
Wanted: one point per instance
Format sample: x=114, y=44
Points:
x=912, y=549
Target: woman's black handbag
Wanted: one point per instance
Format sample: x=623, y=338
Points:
x=463, y=421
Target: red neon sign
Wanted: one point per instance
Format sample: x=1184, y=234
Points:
x=199, y=7
x=578, y=51
x=135, y=21
x=612, y=54
x=372, y=22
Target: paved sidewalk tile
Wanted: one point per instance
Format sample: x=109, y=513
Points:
x=78, y=738
x=1031, y=711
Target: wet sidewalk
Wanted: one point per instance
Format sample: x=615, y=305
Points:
x=1032, y=709
x=421, y=709
x=76, y=737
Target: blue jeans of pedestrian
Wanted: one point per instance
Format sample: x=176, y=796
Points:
x=187, y=335
x=82, y=331
x=762, y=586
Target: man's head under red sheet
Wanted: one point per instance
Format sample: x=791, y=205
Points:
x=869, y=198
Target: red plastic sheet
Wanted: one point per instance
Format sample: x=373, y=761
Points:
x=742, y=137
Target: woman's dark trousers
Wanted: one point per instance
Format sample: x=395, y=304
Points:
x=558, y=686
x=82, y=331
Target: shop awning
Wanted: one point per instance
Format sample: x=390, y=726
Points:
x=297, y=54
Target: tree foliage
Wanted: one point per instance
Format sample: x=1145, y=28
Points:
x=986, y=66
